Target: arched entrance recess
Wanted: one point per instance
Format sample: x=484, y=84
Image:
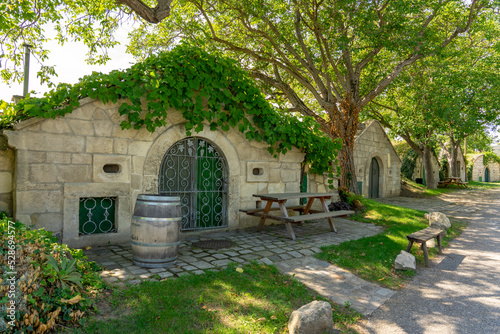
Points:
x=487, y=175
x=374, y=179
x=196, y=170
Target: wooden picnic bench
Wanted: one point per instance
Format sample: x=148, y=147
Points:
x=422, y=237
x=306, y=212
x=453, y=180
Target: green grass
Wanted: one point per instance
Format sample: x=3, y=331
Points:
x=257, y=300
x=472, y=185
x=483, y=185
x=372, y=258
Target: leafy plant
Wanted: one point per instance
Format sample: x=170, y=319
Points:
x=208, y=89
x=65, y=274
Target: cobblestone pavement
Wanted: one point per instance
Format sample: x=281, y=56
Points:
x=271, y=246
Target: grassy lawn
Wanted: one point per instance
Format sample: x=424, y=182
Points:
x=256, y=300
x=420, y=189
x=372, y=258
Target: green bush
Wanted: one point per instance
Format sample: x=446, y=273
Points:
x=408, y=164
x=43, y=283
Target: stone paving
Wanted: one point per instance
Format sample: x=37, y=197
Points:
x=271, y=246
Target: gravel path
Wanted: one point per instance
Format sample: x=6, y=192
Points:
x=460, y=292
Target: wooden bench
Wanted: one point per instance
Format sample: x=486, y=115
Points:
x=422, y=237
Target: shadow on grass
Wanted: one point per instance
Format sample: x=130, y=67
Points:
x=252, y=299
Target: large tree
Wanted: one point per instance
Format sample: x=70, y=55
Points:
x=325, y=59
x=445, y=99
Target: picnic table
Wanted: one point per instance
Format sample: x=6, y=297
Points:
x=306, y=212
x=453, y=180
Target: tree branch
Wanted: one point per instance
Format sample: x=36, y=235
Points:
x=152, y=15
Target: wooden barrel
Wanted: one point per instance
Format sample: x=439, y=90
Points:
x=155, y=230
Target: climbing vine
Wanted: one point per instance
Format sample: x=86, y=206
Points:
x=490, y=157
x=206, y=88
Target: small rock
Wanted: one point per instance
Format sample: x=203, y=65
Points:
x=312, y=318
x=438, y=220
x=405, y=261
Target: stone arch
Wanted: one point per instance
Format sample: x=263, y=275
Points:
x=177, y=132
x=382, y=170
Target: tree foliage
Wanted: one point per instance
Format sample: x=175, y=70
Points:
x=324, y=59
x=208, y=90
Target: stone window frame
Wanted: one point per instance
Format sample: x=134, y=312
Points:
x=123, y=212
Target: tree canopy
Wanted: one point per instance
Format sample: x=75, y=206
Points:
x=324, y=59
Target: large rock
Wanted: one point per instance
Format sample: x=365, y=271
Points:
x=312, y=318
x=438, y=220
x=405, y=261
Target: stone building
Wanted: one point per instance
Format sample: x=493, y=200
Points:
x=418, y=172
x=460, y=164
x=482, y=173
x=378, y=166
x=57, y=173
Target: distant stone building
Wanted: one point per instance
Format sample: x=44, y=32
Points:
x=419, y=172
x=79, y=175
x=378, y=166
x=482, y=173
x=460, y=164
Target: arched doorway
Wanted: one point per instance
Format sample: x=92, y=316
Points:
x=196, y=170
x=486, y=175
x=374, y=179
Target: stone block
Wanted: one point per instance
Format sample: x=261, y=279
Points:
x=81, y=159
x=85, y=111
x=257, y=172
x=81, y=127
x=74, y=173
x=6, y=160
x=58, y=158
x=5, y=182
x=102, y=174
x=54, y=142
x=57, y=125
x=118, y=132
x=137, y=164
x=312, y=318
x=292, y=156
x=29, y=157
x=289, y=175
x=43, y=173
x=39, y=202
x=274, y=175
x=136, y=181
x=276, y=187
x=120, y=146
x=49, y=221
x=247, y=190
x=99, y=145
x=139, y=148
x=104, y=127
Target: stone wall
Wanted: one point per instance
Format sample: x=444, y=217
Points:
x=478, y=170
x=372, y=142
x=418, y=171
x=60, y=161
x=6, y=176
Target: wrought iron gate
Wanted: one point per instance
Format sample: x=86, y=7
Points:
x=196, y=170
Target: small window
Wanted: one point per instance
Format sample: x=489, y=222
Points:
x=97, y=215
x=112, y=168
x=258, y=171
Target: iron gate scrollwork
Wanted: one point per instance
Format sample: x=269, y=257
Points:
x=196, y=170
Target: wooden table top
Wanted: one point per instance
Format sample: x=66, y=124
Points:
x=285, y=196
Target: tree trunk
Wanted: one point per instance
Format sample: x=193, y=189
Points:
x=344, y=123
x=429, y=173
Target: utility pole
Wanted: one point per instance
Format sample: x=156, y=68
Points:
x=26, y=68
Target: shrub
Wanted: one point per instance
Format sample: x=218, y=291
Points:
x=43, y=283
